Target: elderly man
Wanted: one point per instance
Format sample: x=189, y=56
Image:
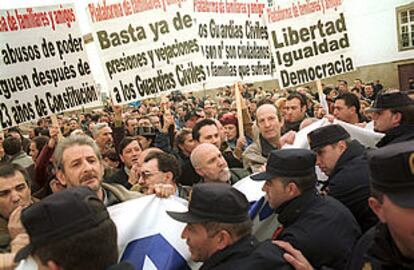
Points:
x=393, y=114
x=219, y=234
x=268, y=122
x=102, y=134
x=307, y=219
x=344, y=161
x=210, y=164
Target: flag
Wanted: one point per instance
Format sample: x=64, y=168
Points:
x=147, y=237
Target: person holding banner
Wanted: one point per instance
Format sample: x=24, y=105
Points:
x=161, y=168
x=219, y=234
x=268, y=121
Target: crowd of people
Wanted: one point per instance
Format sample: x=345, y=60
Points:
x=58, y=177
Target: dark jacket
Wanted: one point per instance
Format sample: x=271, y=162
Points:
x=188, y=175
x=321, y=227
x=248, y=254
x=376, y=250
x=402, y=133
x=120, y=177
x=237, y=174
x=349, y=183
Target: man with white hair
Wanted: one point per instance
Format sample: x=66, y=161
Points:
x=102, y=134
x=210, y=164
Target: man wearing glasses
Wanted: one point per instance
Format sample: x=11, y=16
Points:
x=161, y=170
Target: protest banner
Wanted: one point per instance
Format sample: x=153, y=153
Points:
x=147, y=237
x=147, y=48
x=234, y=40
x=43, y=66
x=309, y=40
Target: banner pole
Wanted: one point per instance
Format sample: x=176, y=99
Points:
x=239, y=109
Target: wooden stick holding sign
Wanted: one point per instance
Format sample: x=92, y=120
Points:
x=322, y=97
x=55, y=123
x=239, y=109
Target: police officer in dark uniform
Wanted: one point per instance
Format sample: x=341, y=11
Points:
x=390, y=244
x=393, y=114
x=218, y=231
x=344, y=161
x=322, y=228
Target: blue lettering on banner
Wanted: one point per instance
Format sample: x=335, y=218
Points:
x=162, y=254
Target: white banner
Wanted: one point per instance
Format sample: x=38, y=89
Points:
x=147, y=237
x=147, y=48
x=43, y=65
x=309, y=40
x=234, y=40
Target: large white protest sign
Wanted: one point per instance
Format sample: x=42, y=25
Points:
x=43, y=66
x=147, y=48
x=148, y=237
x=309, y=40
x=234, y=40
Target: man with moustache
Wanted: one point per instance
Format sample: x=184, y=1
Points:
x=78, y=162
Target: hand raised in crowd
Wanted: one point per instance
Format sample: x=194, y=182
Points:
x=294, y=256
x=241, y=142
x=117, y=109
x=168, y=121
x=15, y=226
x=53, y=132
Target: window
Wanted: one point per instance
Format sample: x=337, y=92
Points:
x=405, y=22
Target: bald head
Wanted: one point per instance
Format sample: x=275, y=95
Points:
x=267, y=108
x=209, y=163
x=200, y=151
x=267, y=120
